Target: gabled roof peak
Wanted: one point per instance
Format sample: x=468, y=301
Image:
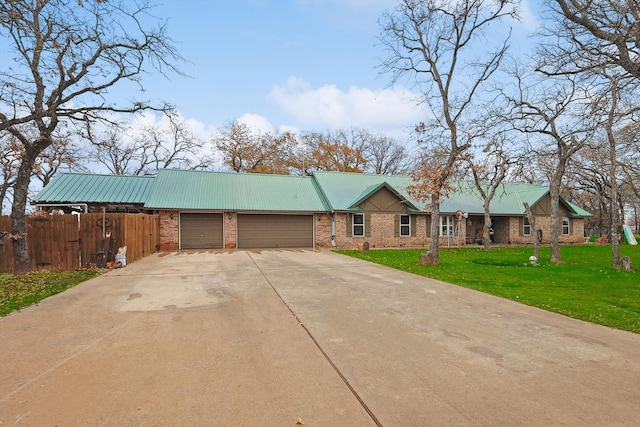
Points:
x=372, y=189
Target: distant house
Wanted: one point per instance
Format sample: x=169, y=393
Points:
x=219, y=210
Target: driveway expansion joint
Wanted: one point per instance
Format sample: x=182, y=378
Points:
x=319, y=347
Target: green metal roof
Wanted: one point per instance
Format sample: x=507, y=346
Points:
x=344, y=189
x=178, y=189
x=508, y=198
x=71, y=188
x=578, y=210
x=324, y=191
x=374, y=189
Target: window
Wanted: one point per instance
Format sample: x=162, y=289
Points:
x=526, y=227
x=405, y=225
x=358, y=224
x=446, y=226
x=565, y=226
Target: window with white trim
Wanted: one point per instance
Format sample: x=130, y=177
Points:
x=446, y=226
x=405, y=225
x=526, y=227
x=565, y=226
x=358, y=224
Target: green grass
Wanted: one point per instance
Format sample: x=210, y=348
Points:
x=584, y=286
x=21, y=291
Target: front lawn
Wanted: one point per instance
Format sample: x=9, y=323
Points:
x=584, y=286
x=21, y=291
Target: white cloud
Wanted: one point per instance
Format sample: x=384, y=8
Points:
x=528, y=17
x=328, y=107
x=256, y=122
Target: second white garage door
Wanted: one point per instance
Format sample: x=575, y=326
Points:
x=275, y=231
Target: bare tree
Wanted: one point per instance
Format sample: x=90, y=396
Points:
x=111, y=149
x=605, y=32
x=437, y=44
x=62, y=154
x=236, y=142
x=279, y=153
x=600, y=42
x=629, y=161
x=488, y=173
x=340, y=151
x=124, y=151
x=62, y=58
x=553, y=109
x=246, y=150
x=614, y=109
x=614, y=100
x=170, y=145
x=158, y=146
x=386, y=156
x=10, y=154
x=587, y=175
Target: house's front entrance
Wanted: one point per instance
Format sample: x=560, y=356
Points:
x=499, y=229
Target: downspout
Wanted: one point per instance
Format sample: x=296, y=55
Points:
x=333, y=229
x=329, y=209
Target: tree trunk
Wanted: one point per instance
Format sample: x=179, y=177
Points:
x=3, y=194
x=616, y=224
x=486, y=238
x=617, y=213
x=21, y=261
x=554, y=225
x=431, y=257
x=534, y=232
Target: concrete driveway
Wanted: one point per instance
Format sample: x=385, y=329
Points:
x=275, y=337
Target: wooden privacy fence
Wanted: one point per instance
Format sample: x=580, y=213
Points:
x=66, y=242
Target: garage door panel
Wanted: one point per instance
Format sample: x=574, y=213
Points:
x=201, y=231
x=275, y=231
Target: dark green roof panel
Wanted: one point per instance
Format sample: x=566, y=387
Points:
x=508, y=198
x=200, y=190
x=323, y=192
x=343, y=189
x=90, y=188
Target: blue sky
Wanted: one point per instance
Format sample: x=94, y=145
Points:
x=302, y=65
x=283, y=64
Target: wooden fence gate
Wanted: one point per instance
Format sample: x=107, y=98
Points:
x=67, y=242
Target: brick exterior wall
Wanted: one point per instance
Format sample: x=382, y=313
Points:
x=382, y=234
x=576, y=231
x=322, y=231
x=169, y=235
x=230, y=230
x=381, y=229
